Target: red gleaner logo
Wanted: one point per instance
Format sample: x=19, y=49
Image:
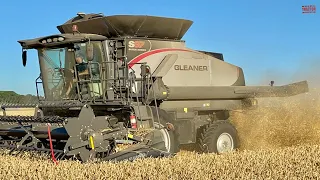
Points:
x=309, y=9
x=136, y=44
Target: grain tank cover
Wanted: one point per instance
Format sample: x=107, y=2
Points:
x=128, y=25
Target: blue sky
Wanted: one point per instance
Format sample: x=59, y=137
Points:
x=269, y=39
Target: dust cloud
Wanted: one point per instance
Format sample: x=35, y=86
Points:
x=281, y=122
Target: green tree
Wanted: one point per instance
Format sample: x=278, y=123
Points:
x=13, y=97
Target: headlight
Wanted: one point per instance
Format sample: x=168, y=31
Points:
x=53, y=39
x=60, y=39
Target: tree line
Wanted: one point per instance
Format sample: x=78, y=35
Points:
x=13, y=97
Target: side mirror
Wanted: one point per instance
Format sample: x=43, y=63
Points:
x=271, y=83
x=24, y=58
x=89, y=51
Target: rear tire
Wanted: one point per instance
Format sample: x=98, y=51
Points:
x=218, y=137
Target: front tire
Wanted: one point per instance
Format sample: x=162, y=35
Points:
x=218, y=137
x=169, y=137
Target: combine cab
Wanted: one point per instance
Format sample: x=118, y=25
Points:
x=106, y=79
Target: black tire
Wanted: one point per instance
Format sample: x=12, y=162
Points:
x=174, y=144
x=207, y=142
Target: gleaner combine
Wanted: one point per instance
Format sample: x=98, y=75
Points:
x=107, y=77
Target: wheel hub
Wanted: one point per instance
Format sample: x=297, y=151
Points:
x=225, y=143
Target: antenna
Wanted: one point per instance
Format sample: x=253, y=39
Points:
x=81, y=14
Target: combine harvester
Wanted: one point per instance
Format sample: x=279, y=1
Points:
x=106, y=77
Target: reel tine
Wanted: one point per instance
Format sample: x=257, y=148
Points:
x=31, y=154
x=19, y=152
x=11, y=151
x=55, y=154
x=58, y=155
x=62, y=155
x=43, y=153
x=38, y=153
x=47, y=153
x=4, y=151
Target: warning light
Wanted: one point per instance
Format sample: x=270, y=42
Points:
x=74, y=28
x=147, y=70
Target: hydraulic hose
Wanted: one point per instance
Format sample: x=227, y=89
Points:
x=51, y=146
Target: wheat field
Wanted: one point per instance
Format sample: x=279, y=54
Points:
x=299, y=162
x=279, y=140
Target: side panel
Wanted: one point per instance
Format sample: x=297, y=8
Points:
x=191, y=68
x=186, y=126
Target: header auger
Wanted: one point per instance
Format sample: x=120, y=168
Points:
x=107, y=78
